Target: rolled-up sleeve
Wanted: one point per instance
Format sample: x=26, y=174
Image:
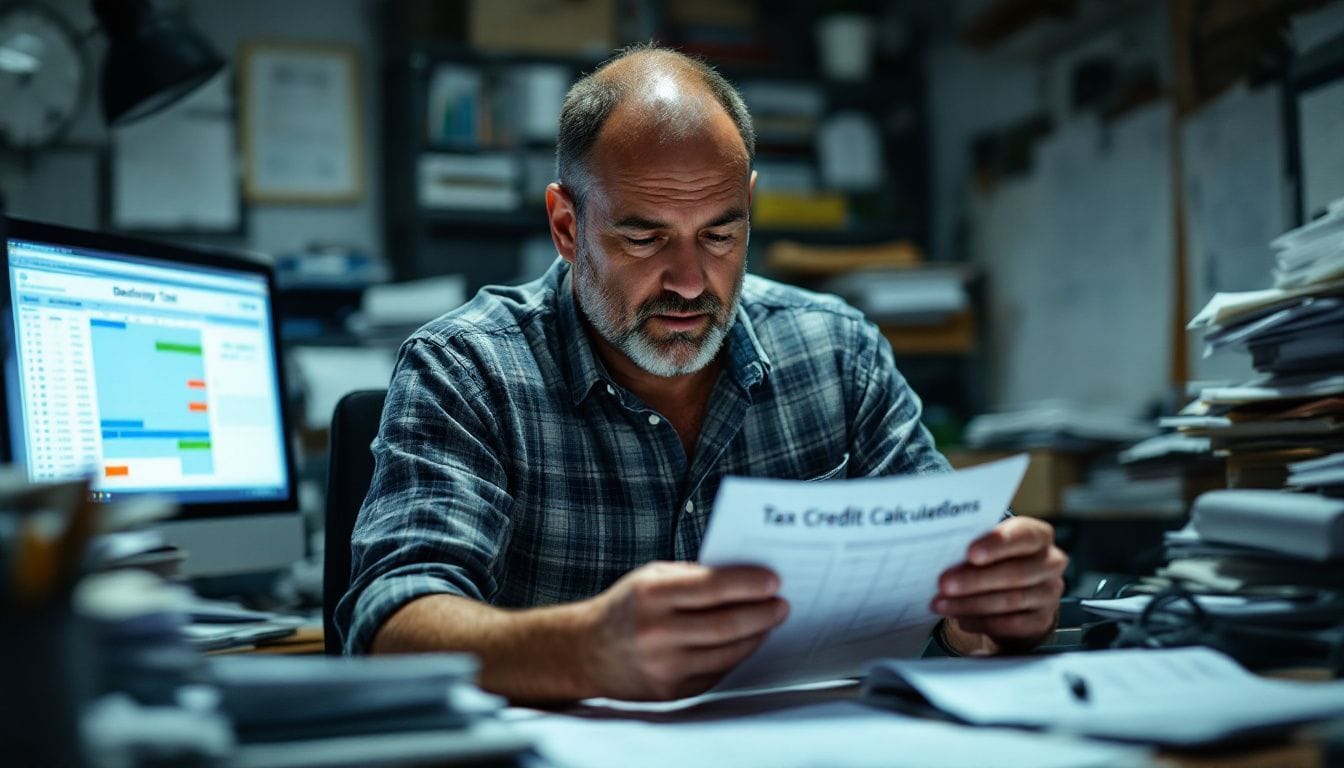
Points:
x=435, y=519
x=887, y=437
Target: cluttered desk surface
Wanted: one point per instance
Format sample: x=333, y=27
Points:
x=1215, y=712
x=1063, y=706
x=158, y=695
x=1170, y=696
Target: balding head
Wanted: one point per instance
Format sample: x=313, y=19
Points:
x=658, y=95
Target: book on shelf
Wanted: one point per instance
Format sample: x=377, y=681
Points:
x=805, y=260
x=487, y=182
x=788, y=210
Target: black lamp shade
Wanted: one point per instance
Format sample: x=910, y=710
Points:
x=152, y=60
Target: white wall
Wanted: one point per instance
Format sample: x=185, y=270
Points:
x=1078, y=254
x=64, y=184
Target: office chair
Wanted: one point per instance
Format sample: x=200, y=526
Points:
x=354, y=424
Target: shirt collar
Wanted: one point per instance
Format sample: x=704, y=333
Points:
x=747, y=362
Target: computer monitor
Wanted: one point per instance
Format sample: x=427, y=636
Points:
x=153, y=369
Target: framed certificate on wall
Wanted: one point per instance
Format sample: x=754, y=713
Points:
x=300, y=123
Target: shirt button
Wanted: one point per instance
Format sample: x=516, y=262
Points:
x=654, y=420
x=611, y=390
x=690, y=506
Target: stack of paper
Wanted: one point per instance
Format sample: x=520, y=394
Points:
x=285, y=698
x=1325, y=474
x=1294, y=410
x=1112, y=490
x=1084, y=441
x=485, y=182
x=1257, y=547
x=1312, y=254
x=1277, y=534
x=922, y=296
x=1156, y=477
x=1303, y=525
x=216, y=624
x=1054, y=424
x=1174, y=455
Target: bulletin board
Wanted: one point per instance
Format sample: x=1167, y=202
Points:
x=300, y=121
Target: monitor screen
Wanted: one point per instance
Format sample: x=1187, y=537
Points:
x=149, y=368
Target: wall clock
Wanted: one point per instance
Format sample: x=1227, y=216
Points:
x=43, y=75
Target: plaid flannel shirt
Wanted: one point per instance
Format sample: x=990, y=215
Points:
x=512, y=469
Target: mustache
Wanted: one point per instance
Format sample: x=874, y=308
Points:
x=671, y=303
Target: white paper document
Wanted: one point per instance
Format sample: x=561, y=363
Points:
x=837, y=734
x=1182, y=696
x=858, y=561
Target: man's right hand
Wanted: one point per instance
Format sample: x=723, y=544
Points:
x=669, y=630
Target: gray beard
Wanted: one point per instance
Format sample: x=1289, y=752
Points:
x=658, y=357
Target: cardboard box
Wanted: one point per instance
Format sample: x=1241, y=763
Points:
x=556, y=27
x=953, y=336
x=1048, y=474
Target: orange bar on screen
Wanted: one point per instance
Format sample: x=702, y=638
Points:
x=113, y=470
x=196, y=383
x=196, y=407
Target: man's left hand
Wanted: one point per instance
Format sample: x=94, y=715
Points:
x=1007, y=590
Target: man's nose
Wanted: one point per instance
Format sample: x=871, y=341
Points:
x=684, y=273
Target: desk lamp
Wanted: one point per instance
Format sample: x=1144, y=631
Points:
x=153, y=59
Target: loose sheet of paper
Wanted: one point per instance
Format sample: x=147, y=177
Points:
x=1171, y=696
x=858, y=561
x=839, y=734
x=1217, y=605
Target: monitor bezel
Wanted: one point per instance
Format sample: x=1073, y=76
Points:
x=165, y=254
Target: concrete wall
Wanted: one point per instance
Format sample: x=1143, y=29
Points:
x=1078, y=253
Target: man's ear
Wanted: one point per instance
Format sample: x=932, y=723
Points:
x=564, y=220
x=751, y=188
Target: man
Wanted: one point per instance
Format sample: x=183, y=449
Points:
x=546, y=448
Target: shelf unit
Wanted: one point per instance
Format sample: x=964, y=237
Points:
x=486, y=245
x=425, y=240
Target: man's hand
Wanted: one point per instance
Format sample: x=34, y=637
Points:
x=1007, y=591
x=669, y=630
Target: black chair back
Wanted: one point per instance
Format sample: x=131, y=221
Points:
x=354, y=424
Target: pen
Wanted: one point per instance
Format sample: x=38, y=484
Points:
x=1077, y=686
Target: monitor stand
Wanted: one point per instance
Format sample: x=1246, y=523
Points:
x=228, y=546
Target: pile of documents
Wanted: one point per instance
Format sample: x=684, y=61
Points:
x=923, y=296
x=1324, y=475
x=1054, y=424
x=103, y=655
x=1250, y=543
x=324, y=711
x=1118, y=490
x=1256, y=574
x=1158, y=476
x=1293, y=411
x=1081, y=443
x=1261, y=560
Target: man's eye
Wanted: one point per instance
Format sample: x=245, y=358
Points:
x=716, y=237
x=640, y=242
